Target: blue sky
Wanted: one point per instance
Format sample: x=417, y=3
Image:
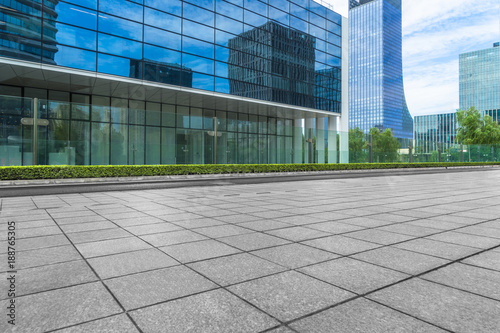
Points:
x=434, y=34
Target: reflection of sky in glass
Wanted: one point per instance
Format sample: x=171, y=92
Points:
x=76, y=15
x=76, y=37
x=170, y=6
x=120, y=27
x=75, y=58
x=162, y=20
x=162, y=38
x=85, y=3
x=122, y=8
x=120, y=46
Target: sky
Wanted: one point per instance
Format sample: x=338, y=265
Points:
x=435, y=33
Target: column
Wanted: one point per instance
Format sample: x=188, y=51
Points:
x=297, y=141
x=344, y=120
x=309, y=150
x=320, y=138
x=332, y=139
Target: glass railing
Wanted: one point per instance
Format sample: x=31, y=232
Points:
x=80, y=134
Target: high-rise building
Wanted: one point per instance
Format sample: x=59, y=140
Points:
x=177, y=81
x=435, y=130
x=480, y=81
x=376, y=92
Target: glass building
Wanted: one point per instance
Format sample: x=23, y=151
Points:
x=172, y=82
x=433, y=130
x=480, y=81
x=376, y=92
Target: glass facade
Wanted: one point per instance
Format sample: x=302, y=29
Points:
x=376, y=92
x=480, y=81
x=275, y=51
x=435, y=129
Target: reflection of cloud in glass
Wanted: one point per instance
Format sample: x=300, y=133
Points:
x=120, y=27
x=70, y=57
x=198, y=64
x=76, y=37
x=197, y=14
x=120, y=46
x=197, y=47
x=77, y=16
x=122, y=8
x=162, y=20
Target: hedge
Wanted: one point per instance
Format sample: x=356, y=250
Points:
x=98, y=171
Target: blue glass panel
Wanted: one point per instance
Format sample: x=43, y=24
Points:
x=317, y=8
x=170, y=6
x=230, y=25
x=303, y=3
x=201, y=81
x=92, y=4
x=162, y=20
x=117, y=26
x=198, y=14
x=198, y=64
x=317, y=31
x=229, y=10
x=298, y=24
x=75, y=58
x=335, y=50
x=208, y=4
x=279, y=16
x=221, y=69
x=221, y=53
x=332, y=16
x=199, y=31
x=320, y=45
x=78, y=37
x=254, y=19
x=333, y=61
x=162, y=38
x=333, y=28
x=236, y=2
x=334, y=39
x=161, y=55
x=222, y=38
x=317, y=20
x=122, y=8
x=71, y=14
x=195, y=46
x=119, y=46
x=299, y=12
x=114, y=65
x=281, y=4
x=222, y=85
x=256, y=6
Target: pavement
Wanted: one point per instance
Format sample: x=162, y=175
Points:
x=398, y=253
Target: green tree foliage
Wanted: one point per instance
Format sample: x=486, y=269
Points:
x=473, y=130
x=357, y=143
x=385, y=146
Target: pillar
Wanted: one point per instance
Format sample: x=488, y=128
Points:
x=320, y=138
x=297, y=141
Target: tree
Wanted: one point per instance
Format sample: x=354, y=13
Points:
x=473, y=130
x=357, y=143
x=384, y=145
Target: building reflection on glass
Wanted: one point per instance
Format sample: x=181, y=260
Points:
x=327, y=90
x=21, y=33
x=273, y=63
x=161, y=72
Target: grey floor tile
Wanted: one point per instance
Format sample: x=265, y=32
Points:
x=111, y=246
x=354, y=275
x=198, y=223
x=437, y=248
x=294, y=255
x=297, y=234
x=466, y=239
x=152, y=228
x=59, y=308
x=280, y=296
x=481, y=230
x=253, y=241
x=446, y=307
x=137, y=221
x=46, y=256
x=37, y=232
x=195, y=251
x=264, y=225
x=114, y=324
x=478, y=280
x=409, y=229
x=238, y=218
x=173, y=237
x=130, y=262
x=489, y=259
x=282, y=330
x=138, y=290
x=79, y=219
x=69, y=228
x=341, y=245
x=97, y=235
x=300, y=219
x=236, y=268
x=47, y=277
x=38, y=243
x=366, y=222
x=223, y=231
x=334, y=227
x=379, y=236
x=362, y=316
x=214, y=311
x=401, y=260
x=431, y=223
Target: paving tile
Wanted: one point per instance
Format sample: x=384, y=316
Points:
x=379, y=236
x=298, y=234
x=236, y=268
x=195, y=251
x=289, y=295
x=282, y=330
x=362, y=316
x=69, y=228
x=480, y=230
x=45, y=256
x=294, y=255
x=264, y=225
x=62, y=307
x=366, y=222
x=341, y=245
x=37, y=232
x=354, y=275
x=111, y=246
x=214, y=311
x=466, y=239
x=130, y=262
x=173, y=237
x=198, y=223
x=97, y=235
x=37, y=243
x=446, y=307
x=238, y=218
x=437, y=249
x=223, y=231
x=477, y=280
x=300, y=219
x=152, y=228
x=114, y=324
x=334, y=227
x=392, y=217
x=138, y=290
x=401, y=260
x=441, y=225
x=253, y=241
x=47, y=277
x=35, y=224
x=409, y=229
x=79, y=219
x=489, y=259
x=136, y=221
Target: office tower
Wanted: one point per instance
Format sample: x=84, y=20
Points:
x=376, y=92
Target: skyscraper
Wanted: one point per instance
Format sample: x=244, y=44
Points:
x=376, y=92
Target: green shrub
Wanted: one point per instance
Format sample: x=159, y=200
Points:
x=98, y=171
